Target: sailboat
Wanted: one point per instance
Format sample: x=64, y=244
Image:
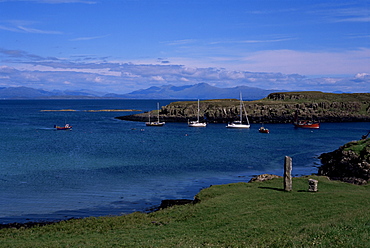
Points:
x=239, y=123
x=197, y=123
x=155, y=123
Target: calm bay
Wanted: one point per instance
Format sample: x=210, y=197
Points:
x=106, y=166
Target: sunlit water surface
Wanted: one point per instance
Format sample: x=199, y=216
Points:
x=106, y=166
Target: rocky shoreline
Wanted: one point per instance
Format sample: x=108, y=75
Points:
x=276, y=108
x=349, y=163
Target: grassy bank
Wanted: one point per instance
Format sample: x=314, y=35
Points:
x=359, y=147
x=255, y=214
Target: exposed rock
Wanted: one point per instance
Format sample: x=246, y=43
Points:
x=350, y=163
x=276, y=108
x=263, y=177
x=170, y=203
x=312, y=185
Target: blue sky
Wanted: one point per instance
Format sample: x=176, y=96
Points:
x=124, y=45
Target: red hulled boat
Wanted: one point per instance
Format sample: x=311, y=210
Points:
x=65, y=127
x=306, y=124
x=263, y=130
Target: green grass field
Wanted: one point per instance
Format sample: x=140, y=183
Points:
x=258, y=214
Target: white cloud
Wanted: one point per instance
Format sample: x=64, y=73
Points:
x=89, y=38
x=158, y=78
x=251, y=41
x=308, y=63
x=180, y=42
x=147, y=76
x=35, y=71
x=22, y=26
x=362, y=75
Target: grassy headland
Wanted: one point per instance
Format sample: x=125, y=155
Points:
x=276, y=108
x=258, y=214
x=349, y=163
x=359, y=147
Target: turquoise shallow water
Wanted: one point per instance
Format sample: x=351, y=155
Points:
x=106, y=166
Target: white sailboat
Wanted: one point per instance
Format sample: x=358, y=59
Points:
x=155, y=123
x=197, y=123
x=239, y=124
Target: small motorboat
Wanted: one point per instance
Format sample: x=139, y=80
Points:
x=263, y=130
x=65, y=127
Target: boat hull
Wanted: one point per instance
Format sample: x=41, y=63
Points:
x=154, y=124
x=66, y=127
x=307, y=125
x=197, y=124
x=242, y=126
x=263, y=130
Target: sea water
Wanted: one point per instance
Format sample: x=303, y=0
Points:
x=106, y=166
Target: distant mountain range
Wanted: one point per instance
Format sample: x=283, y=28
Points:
x=197, y=91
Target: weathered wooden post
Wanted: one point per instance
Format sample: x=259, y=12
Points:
x=288, y=174
x=312, y=185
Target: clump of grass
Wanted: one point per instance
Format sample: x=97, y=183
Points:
x=357, y=146
x=258, y=214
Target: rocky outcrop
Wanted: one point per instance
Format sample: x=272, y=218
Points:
x=263, y=177
x=276, y=108
x=350, y=163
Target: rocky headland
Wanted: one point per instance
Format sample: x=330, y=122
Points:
x=349, y=163
x=275, y=108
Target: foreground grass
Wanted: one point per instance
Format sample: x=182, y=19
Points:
x=255, y=214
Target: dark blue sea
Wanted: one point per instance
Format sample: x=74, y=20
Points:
x=106, y=166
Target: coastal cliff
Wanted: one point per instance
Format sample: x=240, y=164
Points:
x=350, y=163
x=275, y=108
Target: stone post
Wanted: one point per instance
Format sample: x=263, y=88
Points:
x=288, y=174
x=312, y=185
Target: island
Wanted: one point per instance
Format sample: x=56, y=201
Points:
x=281, y=107
x=93, y=110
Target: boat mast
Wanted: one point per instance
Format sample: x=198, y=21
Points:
x=158, y=110
x=242, y=103
x=240, y=109
x=198, y=110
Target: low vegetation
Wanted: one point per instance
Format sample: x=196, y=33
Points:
x=317, y=96
x=359, y=147
x=258, y=214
